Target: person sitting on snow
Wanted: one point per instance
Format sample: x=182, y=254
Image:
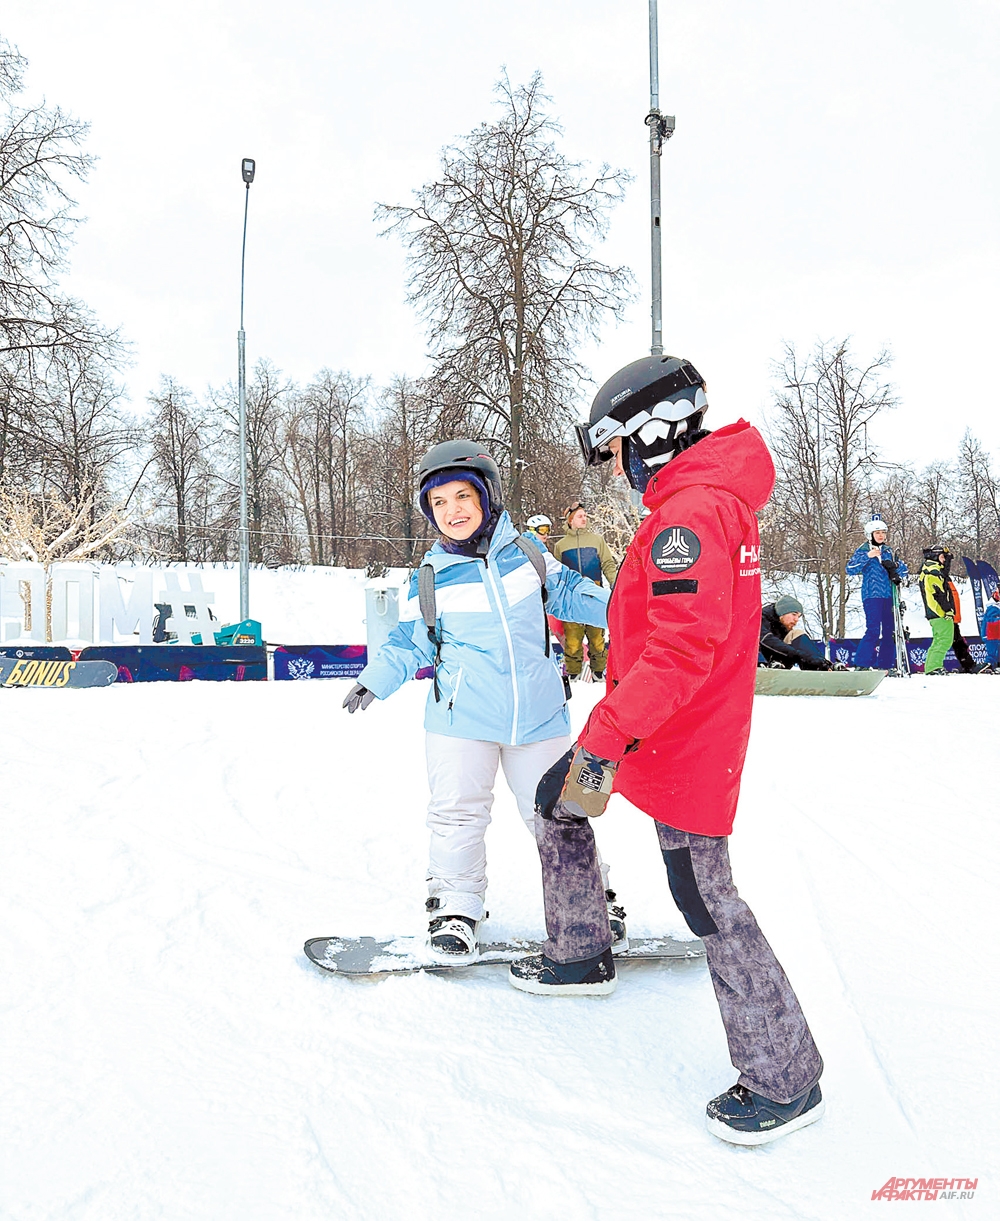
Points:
x=497, y=698
x=991, y=632
x=783, y=640
x=880, y=572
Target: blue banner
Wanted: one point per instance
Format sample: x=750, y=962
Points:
x=300, y=661
x=917, y=646
x=180, y=663
x=36, y=652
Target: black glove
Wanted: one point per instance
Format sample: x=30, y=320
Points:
x=892, y=569
x=358, y=697
x=576, y=786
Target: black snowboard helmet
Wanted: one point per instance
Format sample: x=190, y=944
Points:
x=461, y=459
x=655, y=405
x=932, y=553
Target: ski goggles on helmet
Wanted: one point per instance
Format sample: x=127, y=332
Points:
x=679, y=396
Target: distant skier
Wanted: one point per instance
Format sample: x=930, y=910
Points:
x=539, y=528
x=783, y=640
x=671, y=734
x=991, y=632
x=877, y=648
x=497, y=699
x=939, y=606
x=586, y=552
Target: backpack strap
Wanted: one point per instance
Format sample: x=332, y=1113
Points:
x=538, y=563
x=428, y=612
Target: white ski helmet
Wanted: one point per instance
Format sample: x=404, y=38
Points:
x=539, y=519
x=874, y=523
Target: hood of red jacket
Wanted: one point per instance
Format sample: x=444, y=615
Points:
x=734, y=458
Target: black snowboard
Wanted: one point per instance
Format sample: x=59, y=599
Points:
x=22, y=672
x=404, y=955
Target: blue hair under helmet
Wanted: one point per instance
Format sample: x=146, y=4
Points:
x=456, y=474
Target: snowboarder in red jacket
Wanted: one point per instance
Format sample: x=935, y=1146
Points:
x=671, y=734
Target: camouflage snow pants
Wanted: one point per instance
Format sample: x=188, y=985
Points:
x=769, y=1039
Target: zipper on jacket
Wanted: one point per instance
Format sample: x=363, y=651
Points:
x=454, y=694
x=510, y=648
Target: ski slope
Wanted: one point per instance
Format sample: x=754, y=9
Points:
x=167, y=1052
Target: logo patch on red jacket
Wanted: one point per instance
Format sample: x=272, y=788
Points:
x=675, y=549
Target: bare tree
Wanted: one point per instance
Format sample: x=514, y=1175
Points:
x=82, y=427
x=317, y=460
x=178, y=435
x=46, y=530
x=405, y=423
x=501, y=270
x=267, y=397
x=40, y=153
x=821, y=411
x=977, y=495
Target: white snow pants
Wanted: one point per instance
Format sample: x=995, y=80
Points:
x=461, y=773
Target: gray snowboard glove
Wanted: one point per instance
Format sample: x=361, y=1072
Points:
x=358, y=697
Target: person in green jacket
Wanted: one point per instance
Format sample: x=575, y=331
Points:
x=587, y=553
x=938, y=605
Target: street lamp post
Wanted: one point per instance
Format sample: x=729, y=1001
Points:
x=661, y=128
x=247, y=168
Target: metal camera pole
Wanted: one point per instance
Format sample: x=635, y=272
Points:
x=247, y=168
x=661, y=128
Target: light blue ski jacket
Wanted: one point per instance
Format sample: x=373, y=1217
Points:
x=495, y=681
x=875, y=581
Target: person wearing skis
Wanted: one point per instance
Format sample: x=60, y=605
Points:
x=783, y=641
x=880, y=571
x=497, y=698
x=991, y=633
x=586, y=552
x=939, y=606
x=671, y=734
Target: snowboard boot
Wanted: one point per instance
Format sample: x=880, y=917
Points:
x=616, y=918
x=543, y=977
x=742, y=1117
x=452, y=937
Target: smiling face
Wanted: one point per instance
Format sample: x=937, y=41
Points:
x=456, y=508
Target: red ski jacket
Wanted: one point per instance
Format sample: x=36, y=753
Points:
x=684, y=621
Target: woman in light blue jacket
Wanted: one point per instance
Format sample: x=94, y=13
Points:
x=497, y=696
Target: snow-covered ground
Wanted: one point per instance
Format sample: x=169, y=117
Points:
x=167, y=1052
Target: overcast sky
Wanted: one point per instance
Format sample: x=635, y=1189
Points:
x=834, y=172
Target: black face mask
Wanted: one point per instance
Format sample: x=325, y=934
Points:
x=635, y=454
